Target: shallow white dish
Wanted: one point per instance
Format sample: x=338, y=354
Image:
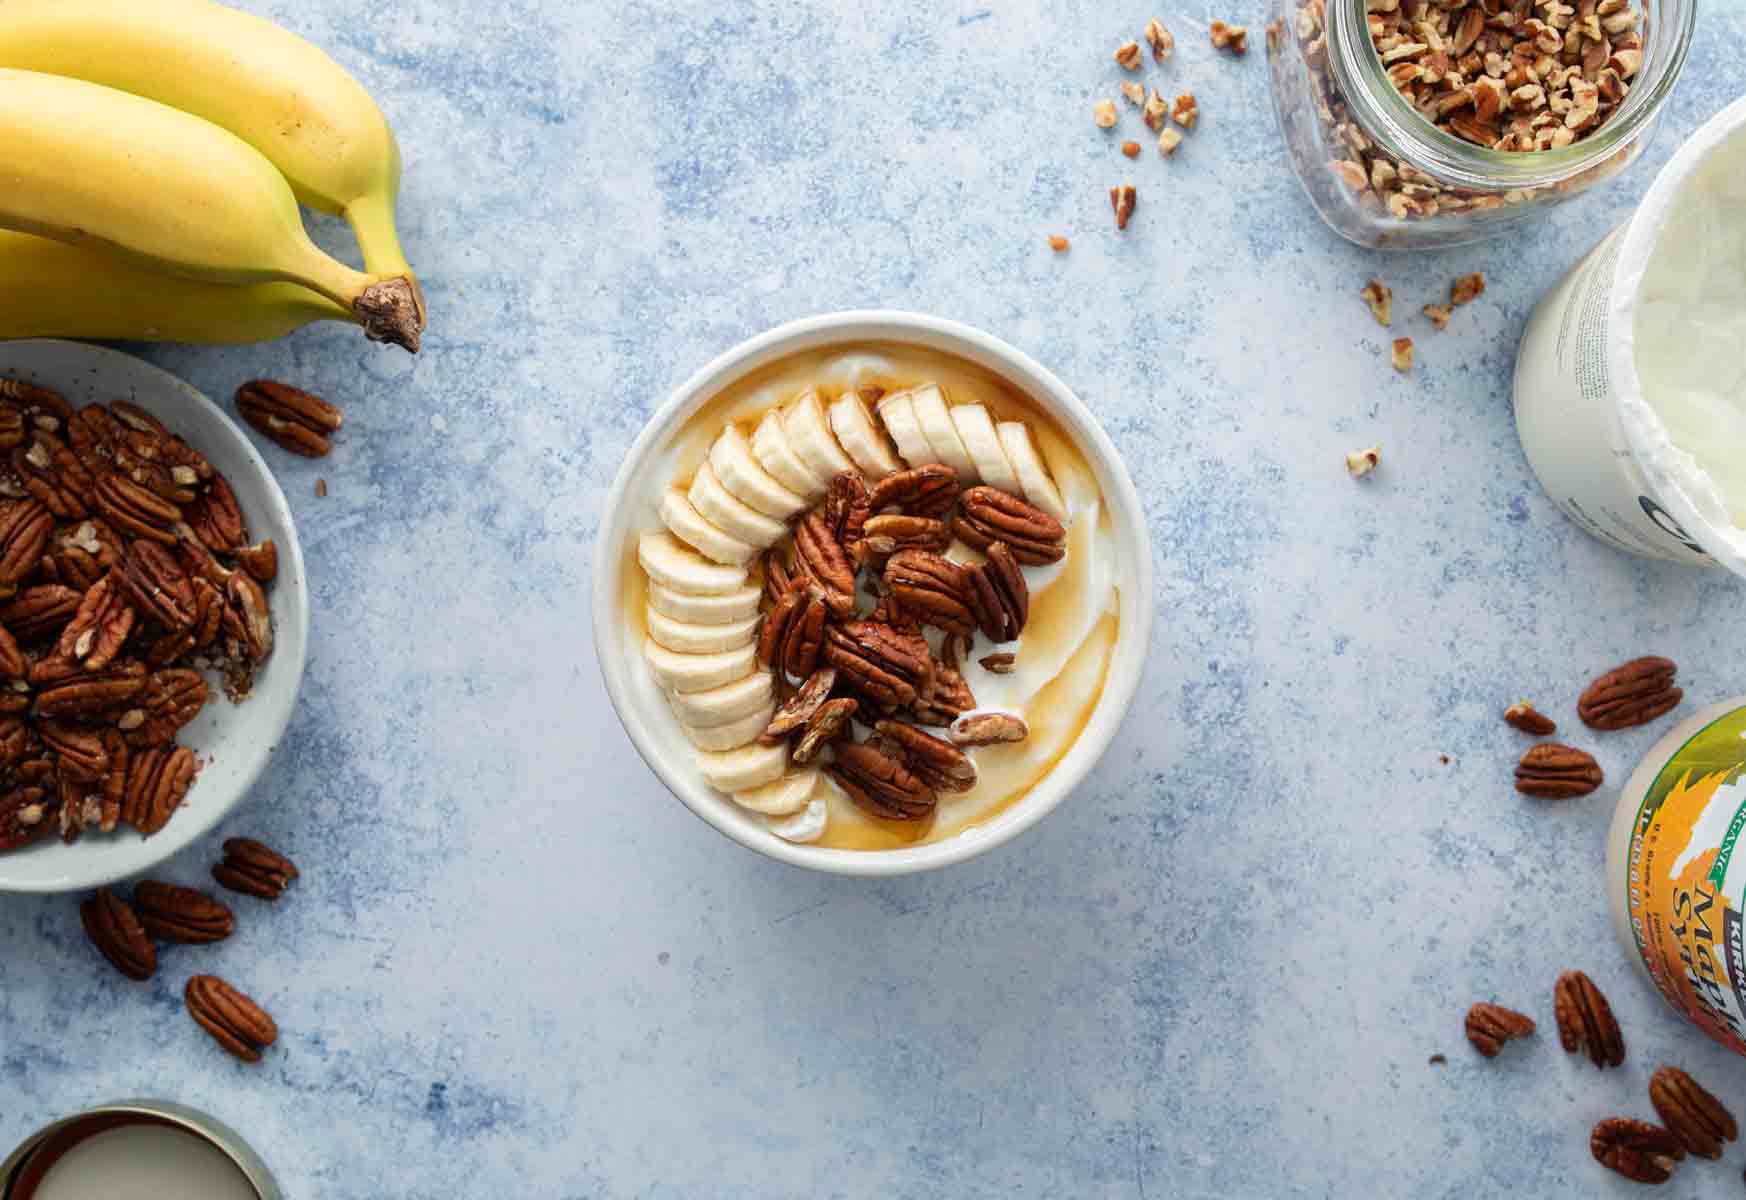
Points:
x=233, y=741
x=618, y=644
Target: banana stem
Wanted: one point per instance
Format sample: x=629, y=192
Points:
x=390, y=310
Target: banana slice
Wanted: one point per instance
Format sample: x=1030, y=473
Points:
x=727, y=703
x=770, y=446
x=936, y=425
x=864, y=441
x=698, y=672
x=732, y=735
x=689, y=526
x=706, y=610
x=782, y=797
x=733, y=517
x=897, y=411
x=976, y=429
x=746, y=479
x=747, y=769
x=686, y=638
x=1033, y=475
x=810, y=436
x=673, y=564
x=807, y=825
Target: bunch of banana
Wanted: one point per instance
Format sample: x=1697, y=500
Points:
x=164, y=147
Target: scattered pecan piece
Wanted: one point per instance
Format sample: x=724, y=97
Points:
x=1234, y=38
x=1468, y=288
x=1360, y=463
x=1131, y=149
x=254, y=869
x=927, y=491
x=931, y=588
x=987, y=515
x=1528, y=719
x=988, y=729
x=1402, y=355
x=1104, y=113
x=1586, y=1021
x=1155, y=112
x=173, y=913
x=824, y=727
x=1489, y=1026
x=879, y=782
x=1186, y=111
x=799, y=708
x=1168, y=141
x=1127, y=55
x=1123, y=199
x=1057, y=243
x=1633, y=694
x=1159, y=38
x=1639, y=1151
x=235, y=1021
x=941, y=765
x=1554, y=771
x=1380, y=297
x=113, y=928
x=1690, y=1113
x=999, y=664
x=320, y=488
x=292, y=417
x=1438, y=314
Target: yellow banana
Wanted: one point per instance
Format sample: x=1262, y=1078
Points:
x=50, y=289
x=91, y=165
x=275, y=91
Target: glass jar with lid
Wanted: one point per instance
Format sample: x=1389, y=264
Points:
x=1408, y=120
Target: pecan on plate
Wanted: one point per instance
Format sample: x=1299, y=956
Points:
x=952, y=696
x=941, y=765
x=987, y=515
x=927, y=491
x=1489, y=1026
x=254, y=869
x=988, y=729
x=69, y=690
x=14, y=740
x=24, y=817
x=846, y=507
x=890, y=667
x=260, y=560
x=25, y=526
x=78, y=749
x=1554, y=771
x=247, y=617
x=891, y=532
x=999, y=664
x=37, y=612
x=13, y=664
x=1000, y=598
x=799, y=708
x=297, y=420
x=825, y=726
x=135, y=511
x=159, y=585
x=216, y=518
x=173, y=913
x=172, y=697
x=931, y=588
x=878, y=781
x=792, y=633
x=1530, y=720
x=157, y=780
x=116, y=932
x=53, y=476
x=823, y=559
x=100, y=626
x=1586, y=1021
x=778, y=579
x=235, y=1022
x=1641, y=1152
x=1633, y=694
x=1690, y=1113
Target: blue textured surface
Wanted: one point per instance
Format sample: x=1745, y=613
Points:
x=514, y=966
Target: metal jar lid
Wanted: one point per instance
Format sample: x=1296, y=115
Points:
x=25, y=1167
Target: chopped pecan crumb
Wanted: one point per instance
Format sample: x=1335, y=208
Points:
x=1185, y=111
x=1361, y=462
x=999, y=664
x=1528, y=719
x=1156, y=112
x=1131, y=149
x=1168, y=141
x=1438, y=314
x=1134, y=93
x=321, y=487
x=1402, y=356
x=1128, y=55
x=1161, y=40
x=1123, y=199
x=1105, y=114
x=1468, y=288
x=1234, y=38
x=1380, y=297
x=1057, y=243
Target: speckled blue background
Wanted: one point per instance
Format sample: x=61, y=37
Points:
x=514, y=966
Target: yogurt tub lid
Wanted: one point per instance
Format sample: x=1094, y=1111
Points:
x=1681, y=485
x=24, y=1170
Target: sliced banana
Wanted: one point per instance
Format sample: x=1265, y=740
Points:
x=864, y=440
x=746, y=479
x=807, y=825
x=733, y=734
x=1027, y=463
x=745, y=769
x=897, y=411
x=976, y=430
x=689, y=526
x=782, y=797
x=774, y=453
x=679, y=672
x=727, y=703
x=810, y=436
x=724, y=609
x=732, y=516
x=673, y=564
x=936, y=425
x=686, y=638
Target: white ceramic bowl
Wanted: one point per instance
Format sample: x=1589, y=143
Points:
x=619, y=647
x=232, y=740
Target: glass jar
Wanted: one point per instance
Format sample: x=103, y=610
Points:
x=1382, y=174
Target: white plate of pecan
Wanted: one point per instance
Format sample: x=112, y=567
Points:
x=153, y=615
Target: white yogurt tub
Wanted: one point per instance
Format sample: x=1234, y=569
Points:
x=1630, y=385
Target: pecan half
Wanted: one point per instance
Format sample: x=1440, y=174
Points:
x=889, y=667
x=215, y=518
x=12, y=661
x=799, y=708
x=1639, y=1151
x=999, y=664
x=14, y=740
x=1633, y=694
x=78, y=750
x=1530, y=720
x=116, y=932
x=822, y=558
x=941, y=765
x=1690, y=1113
x=24, y=531
x=254, y=618
x=134, y=510
x=173, y=913
x=69, y=690
x=260, y=560
x=37, y=612
x=931, y=588
x=295, y=419
x=988, y=515
x=235, y=1022
x=778, y=579
x=1489, y=1026
x=825, y=726
x=952, y=696
x=100, y=626
x=24, y=817
x=1554, y=771
x=157, y=780
x=1000, y=597
x=880, y=783
x=846, y=508
x=988, y=729
x=928, y=491
x=254, y=869
x=773, y=633
x=903, y=532
x=159, y=585
x=172, y=697
x=1586, y=1021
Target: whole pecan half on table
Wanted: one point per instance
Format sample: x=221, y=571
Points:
x=1585, y=1020
x=118, y=935
x=1691, y=1114
x=297, y=420
x=1632, y=694
x=254, y=869
x=234, y=1020
x=1554, y=771
x=1489, y=1026
x=172, y=913
x=1530, y=720
x=1639, y=1151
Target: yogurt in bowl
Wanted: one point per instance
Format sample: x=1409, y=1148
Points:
x=886, y=514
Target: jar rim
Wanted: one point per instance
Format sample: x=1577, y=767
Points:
x=1401, y=130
